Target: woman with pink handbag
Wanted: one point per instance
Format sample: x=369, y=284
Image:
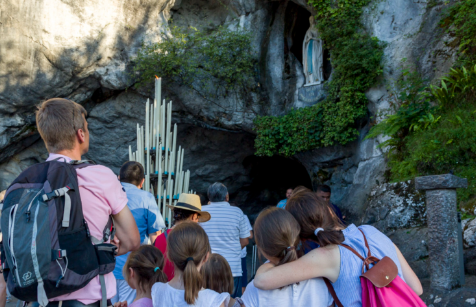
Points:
x=364, y=266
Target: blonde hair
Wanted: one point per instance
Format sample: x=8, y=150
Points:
x=187, y=246
x=148, y=264
x=58, y=120
x=217, y=275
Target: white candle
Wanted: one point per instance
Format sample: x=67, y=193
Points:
x=179, y=152
x=180, y=182
x=174, y=143
x=141, y=149
x=167, y=138
x=151, y=125
x=171, y=200
x=181, y=159
x=147, y=143
x=159, y=183
x=164, y=204
x=162, y=124
x=138, y=140
x=158, y=94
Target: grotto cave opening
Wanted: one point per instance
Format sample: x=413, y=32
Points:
x=269, y=178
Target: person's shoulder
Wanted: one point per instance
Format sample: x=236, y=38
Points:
x=368, y=229
x=158, y=287
x=236, y=210
x=147, y=196
x=213, y=298
x=100, y=169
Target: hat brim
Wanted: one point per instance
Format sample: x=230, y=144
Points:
x=203, y=216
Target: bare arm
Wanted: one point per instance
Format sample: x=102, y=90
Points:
x=244, y=242
x=321, y=262
x=127, y=234
x=153, y=236
x=410, y=277
x=251, y=235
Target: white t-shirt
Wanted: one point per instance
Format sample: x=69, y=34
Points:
x=312, y=292
x=164, y=295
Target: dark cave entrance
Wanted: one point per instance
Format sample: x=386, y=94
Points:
x=296, y=26
x=270, y=177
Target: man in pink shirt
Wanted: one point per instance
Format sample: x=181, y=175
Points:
x=63, y=127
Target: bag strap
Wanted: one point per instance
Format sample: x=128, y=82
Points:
x=166, y=234
x=332, y=292
x=367, y=261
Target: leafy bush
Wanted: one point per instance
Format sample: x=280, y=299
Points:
x=461, y=22
x=211, y=64
x=428, y=140
x=356, y=62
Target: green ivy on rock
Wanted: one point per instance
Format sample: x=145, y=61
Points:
x=356, y=62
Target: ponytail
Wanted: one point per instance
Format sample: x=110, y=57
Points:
x=277, y=234
x=290, y=254
x=192, y=281
x=187, y=248
x=317, y=219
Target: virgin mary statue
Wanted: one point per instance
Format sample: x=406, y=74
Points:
x=312, y=57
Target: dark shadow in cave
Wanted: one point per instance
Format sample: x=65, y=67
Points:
x=270, y=177
x=297, y=24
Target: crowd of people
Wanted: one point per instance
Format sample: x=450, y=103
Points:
x=201, y=259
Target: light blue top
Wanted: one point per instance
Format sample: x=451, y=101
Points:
x=347, y=286
x=226, y=227
x=148, y=219
x=282, y=203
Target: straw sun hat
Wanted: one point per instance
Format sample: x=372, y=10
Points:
x=191, y=202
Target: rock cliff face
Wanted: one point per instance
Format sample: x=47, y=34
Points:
x=84, y=50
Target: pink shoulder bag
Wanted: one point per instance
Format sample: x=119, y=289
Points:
x=381, y=285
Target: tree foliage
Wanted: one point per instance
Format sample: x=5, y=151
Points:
x=213, y=65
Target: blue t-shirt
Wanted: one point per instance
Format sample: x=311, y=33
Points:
x=148, y=219
x=282, y=203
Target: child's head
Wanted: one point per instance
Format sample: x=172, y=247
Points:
x=188, y=249
x=144, y=267
x=217, y=275
x=277, y=235
x=316, y=218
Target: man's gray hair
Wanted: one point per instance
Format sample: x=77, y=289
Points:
x=217, y=192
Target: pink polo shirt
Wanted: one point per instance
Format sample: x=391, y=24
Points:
x=101, y=195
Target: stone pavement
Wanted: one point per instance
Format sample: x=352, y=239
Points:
x=464, y=296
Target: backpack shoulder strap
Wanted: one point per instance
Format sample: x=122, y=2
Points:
x=366, y=243
x=332, y=292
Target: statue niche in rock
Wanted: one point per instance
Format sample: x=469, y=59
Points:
x=312, y=58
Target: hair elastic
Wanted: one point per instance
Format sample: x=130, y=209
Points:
x=290, y=248
x=317, y=231
x=189, y=259
x=156, y=269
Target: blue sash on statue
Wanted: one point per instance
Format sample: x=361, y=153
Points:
x=309, y=57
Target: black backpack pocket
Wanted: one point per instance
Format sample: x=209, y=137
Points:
x=106, y=255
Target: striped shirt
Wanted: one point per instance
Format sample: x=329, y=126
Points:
x=225, y=229
x=347, y=286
